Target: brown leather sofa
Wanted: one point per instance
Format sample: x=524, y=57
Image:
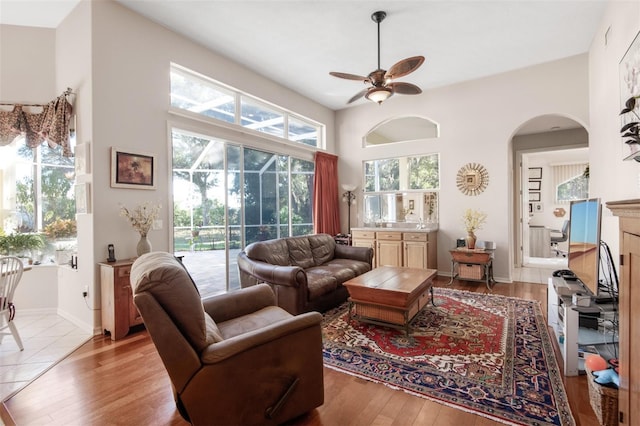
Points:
x=235, y=358
x=306, y=272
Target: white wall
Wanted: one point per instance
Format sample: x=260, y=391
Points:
x=131, y=60
x=27, y=64
x=477, y=122
x=611, y=178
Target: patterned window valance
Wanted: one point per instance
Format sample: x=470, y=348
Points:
x=51, y=124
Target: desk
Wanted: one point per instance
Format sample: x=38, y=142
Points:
x=539, y=241
x=472, y=265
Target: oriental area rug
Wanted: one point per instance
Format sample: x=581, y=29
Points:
x=484, y=354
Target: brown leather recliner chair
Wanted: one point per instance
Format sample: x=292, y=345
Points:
x=234, y=358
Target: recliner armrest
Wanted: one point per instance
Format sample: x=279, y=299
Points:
x=217, y=352
x=223, y=307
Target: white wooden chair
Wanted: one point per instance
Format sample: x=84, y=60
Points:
x=11, y=269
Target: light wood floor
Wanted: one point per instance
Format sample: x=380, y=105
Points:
x=124, y=382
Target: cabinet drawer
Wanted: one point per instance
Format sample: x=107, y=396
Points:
x=123, y=272
x=389, y=236
x=414, y=236
x=366, y=235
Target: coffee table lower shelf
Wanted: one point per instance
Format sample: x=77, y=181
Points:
x=387, y=315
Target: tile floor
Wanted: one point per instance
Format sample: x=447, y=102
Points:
x=538, y=270
x=47, y=338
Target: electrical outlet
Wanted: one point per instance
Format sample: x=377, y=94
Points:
x=85, y=293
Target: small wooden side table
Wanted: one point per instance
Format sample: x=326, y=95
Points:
x=119, y=313
x=472, y=265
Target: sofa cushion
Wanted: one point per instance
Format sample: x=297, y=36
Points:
x=162, y=275
x=275, y=252
x=254, y=321
x=322, y=247
x=320, y=281
x=357, y=266
x=300, y=252
x=340, y=273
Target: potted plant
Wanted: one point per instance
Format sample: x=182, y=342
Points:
x=20, y=245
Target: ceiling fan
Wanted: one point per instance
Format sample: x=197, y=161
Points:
x=381, y=87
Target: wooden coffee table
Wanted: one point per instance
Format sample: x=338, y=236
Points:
x=390, y=296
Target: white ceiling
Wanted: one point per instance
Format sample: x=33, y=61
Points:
x=297, y=42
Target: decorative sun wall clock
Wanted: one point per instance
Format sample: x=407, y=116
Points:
x=472, y=179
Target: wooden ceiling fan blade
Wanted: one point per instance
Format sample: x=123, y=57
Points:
x=358, y=95
x=405, y=88
x=349, y=76
x=404, y=67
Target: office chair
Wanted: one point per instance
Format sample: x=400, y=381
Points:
x=564, y=235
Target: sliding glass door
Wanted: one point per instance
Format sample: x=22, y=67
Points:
x=226, y=196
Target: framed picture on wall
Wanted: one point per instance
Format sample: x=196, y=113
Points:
x=534, y=185
x=132, y=170
x=535, y=173
x=534, y=196
x=82, y=156
x=83, y=198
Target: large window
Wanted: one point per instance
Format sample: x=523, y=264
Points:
x=37, y=194
x=571, y=182
x=199, y=94
x=402, y=173
x=227, y=196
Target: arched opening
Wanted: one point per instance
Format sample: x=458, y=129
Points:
x=539, y=146
x=401, y=129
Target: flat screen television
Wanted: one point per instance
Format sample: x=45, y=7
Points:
x=584, y=242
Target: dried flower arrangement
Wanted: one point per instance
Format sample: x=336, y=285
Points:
x=142, y=217
x=473, y=220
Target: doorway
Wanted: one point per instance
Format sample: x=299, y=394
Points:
x=538, y=146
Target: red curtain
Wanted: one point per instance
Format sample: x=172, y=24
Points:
x=326, y=215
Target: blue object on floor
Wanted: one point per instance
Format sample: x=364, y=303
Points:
x=607, y=376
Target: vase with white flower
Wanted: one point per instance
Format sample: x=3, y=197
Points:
x=141, y=219
x=473, y=220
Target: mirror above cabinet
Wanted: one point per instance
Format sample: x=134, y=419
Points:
x=401, y=209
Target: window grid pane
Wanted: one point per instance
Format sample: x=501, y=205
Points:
x=257, y=116
x=202, y=95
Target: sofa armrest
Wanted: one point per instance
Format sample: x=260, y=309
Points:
x=217, y=352
x=223, y=307
x=363, y=254
x=292, y=276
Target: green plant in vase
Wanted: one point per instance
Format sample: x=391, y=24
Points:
x=20, y=245
x=631, y=131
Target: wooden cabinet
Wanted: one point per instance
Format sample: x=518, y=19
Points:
x=365, y=239
x=629, y=300
x=119, y=313
x=389, y=248
x=398, y=248
x=420, y=250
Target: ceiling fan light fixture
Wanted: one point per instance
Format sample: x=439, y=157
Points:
x=379, y=94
